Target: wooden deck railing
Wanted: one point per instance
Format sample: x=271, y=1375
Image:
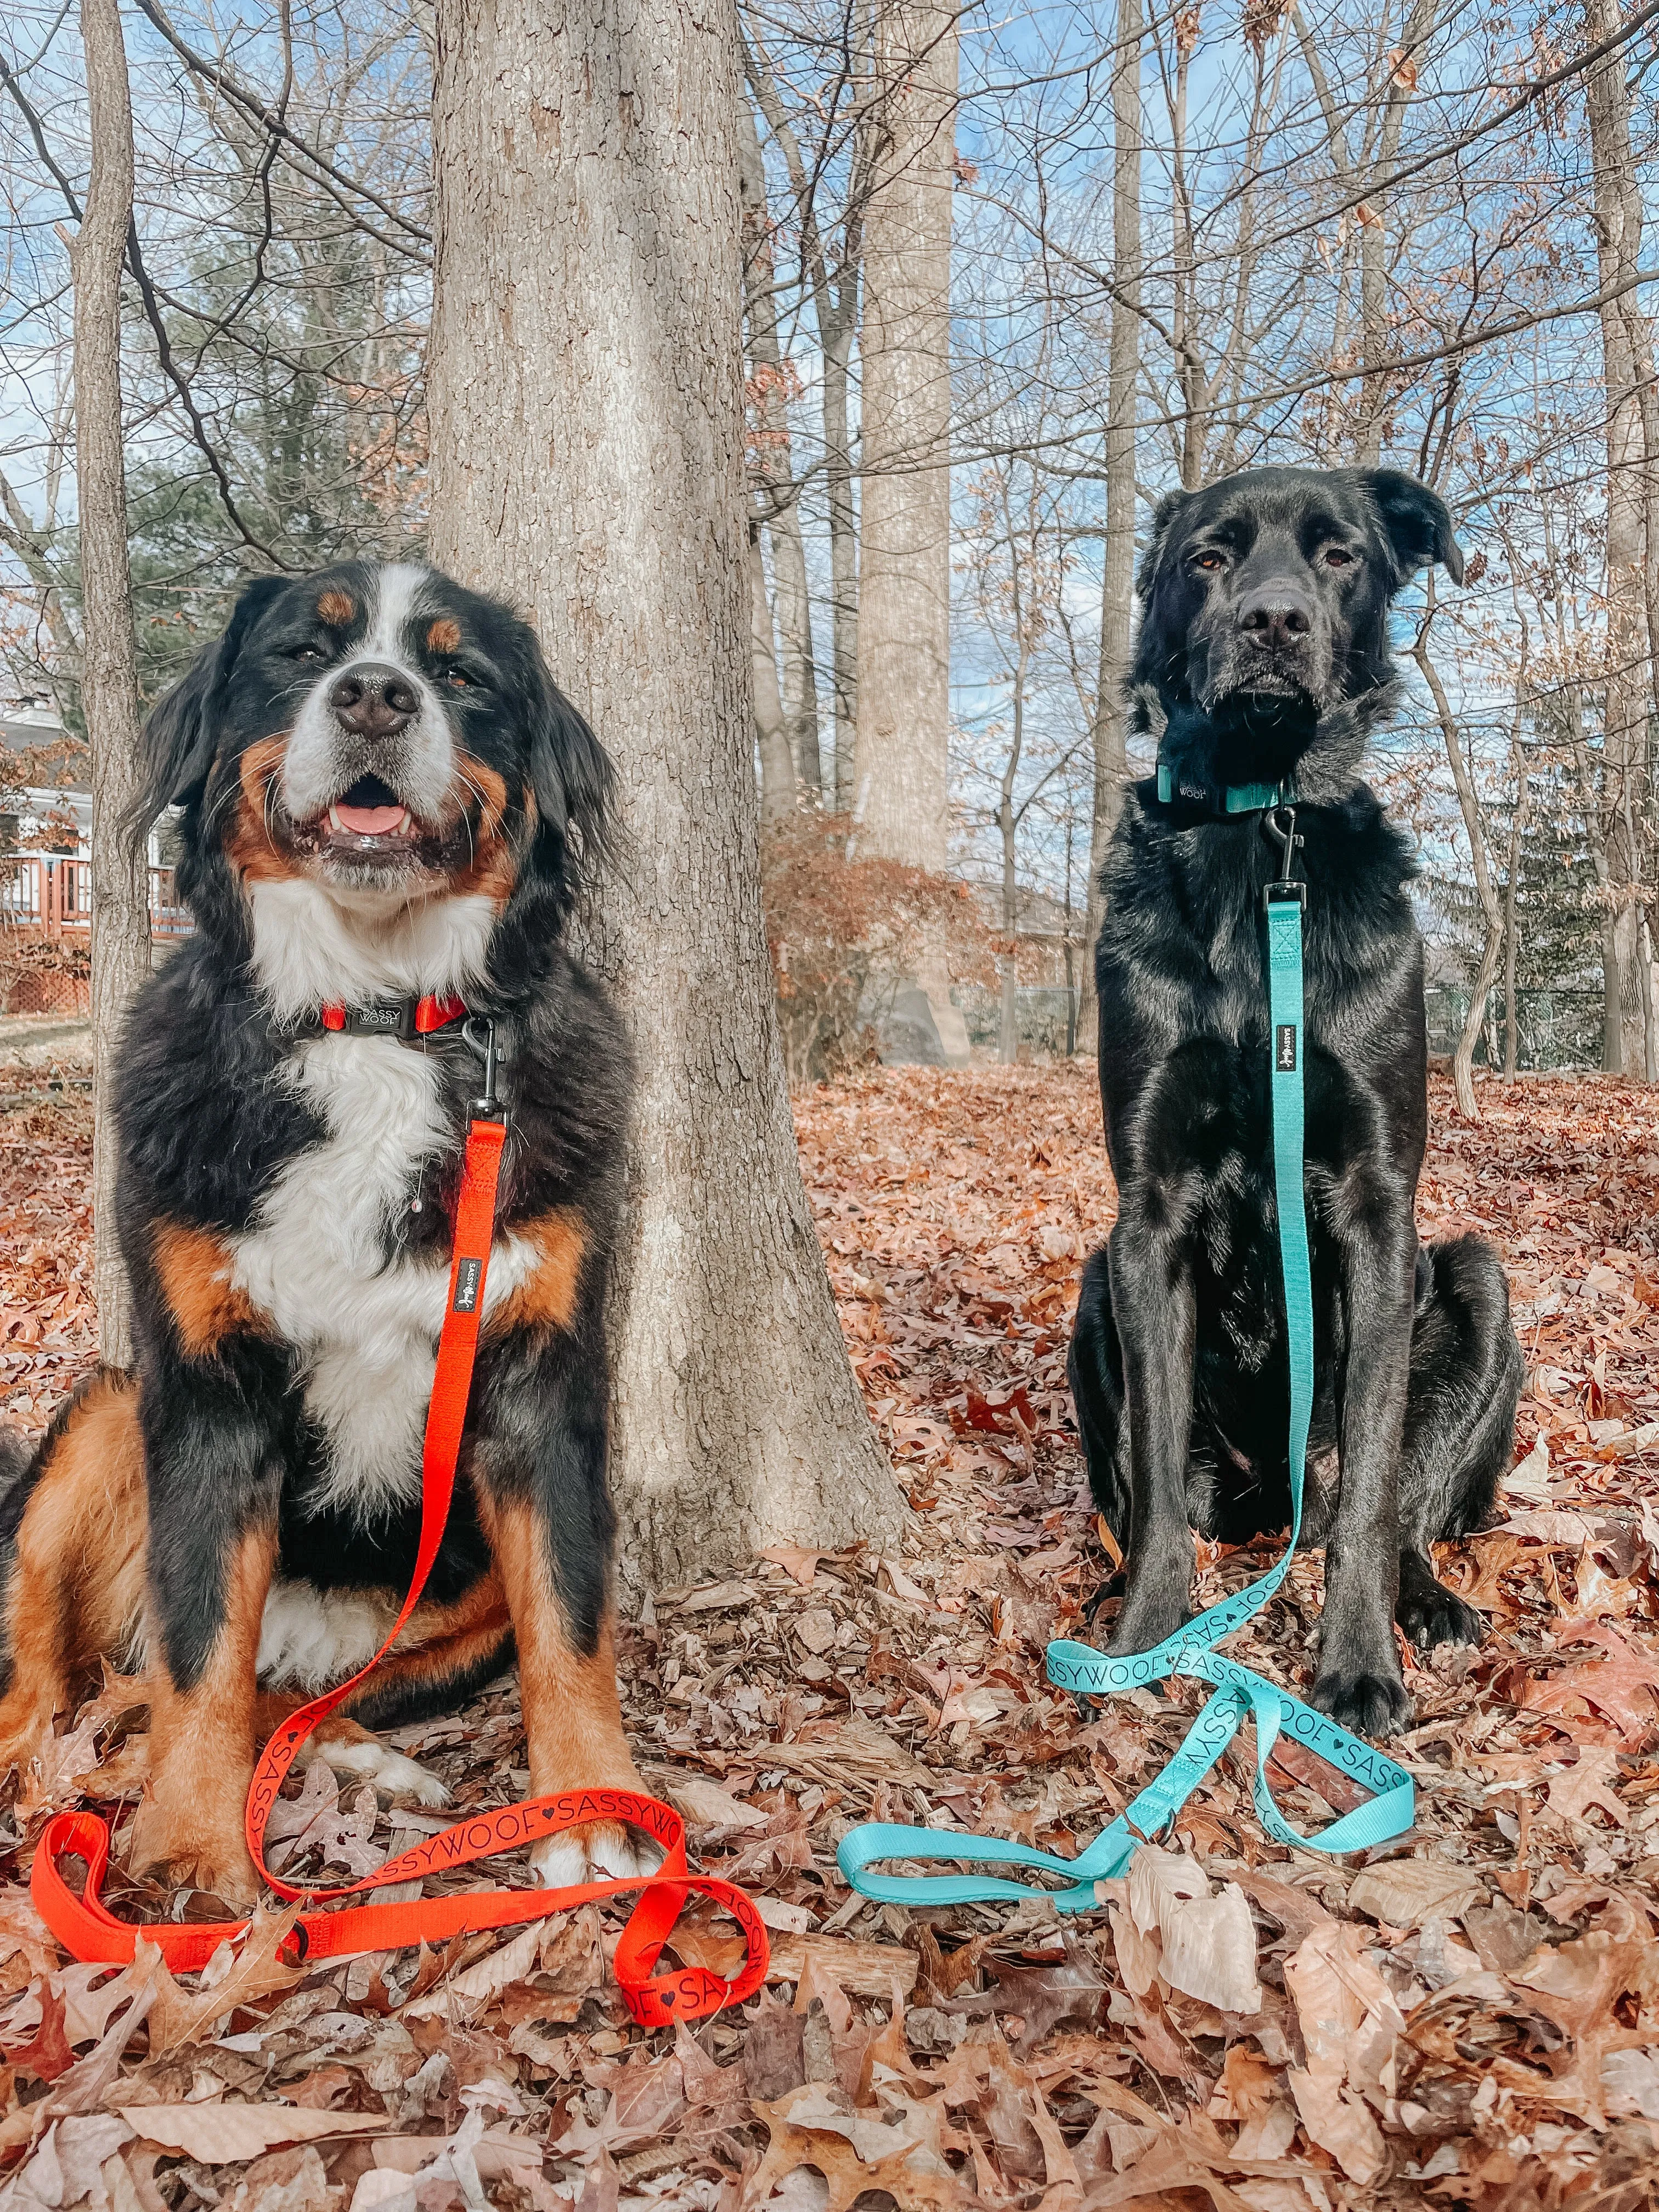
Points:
x=53, y=892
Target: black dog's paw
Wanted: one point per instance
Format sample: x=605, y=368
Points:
x=1142, y=1626
x=1434, y=1615
x=1369, y=1704
x=1110, y=1589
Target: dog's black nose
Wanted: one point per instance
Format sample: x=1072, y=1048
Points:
x=1275, y=615
x=373, y=701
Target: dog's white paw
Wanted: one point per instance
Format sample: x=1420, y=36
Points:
x=372, y=1761
x=607, y=1850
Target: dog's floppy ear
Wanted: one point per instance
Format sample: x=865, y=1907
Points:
x=570, y=772
x=175, y=747
x=1418, y=520
x=1163, y=515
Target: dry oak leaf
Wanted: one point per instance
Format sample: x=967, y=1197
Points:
x=1349, y=2021
x=219, y=2134
x=1624, y=1686
x=65, y=2166
x=700, y=1799
x=801, y=1564
x=1587, y=1785
x=1579, y=1985
x=230, y=1978
x=856, y=2152
x=47, y=2053
x=468, y=1992
x=1405, y=1892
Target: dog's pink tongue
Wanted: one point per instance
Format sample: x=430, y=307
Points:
x=369, y=821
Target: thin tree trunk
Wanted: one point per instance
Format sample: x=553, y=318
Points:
x=1111, y=725
x=836, y=303
x=1374, y=237
x=843, y=547
x=777, y=768
x=771, y=386
x=1007, y=824
x=109, y=675
x=1623, y=751
x=800, y=675
x=1511, y=893
x=587, y=458
x=904, y=550
x=1491, y=912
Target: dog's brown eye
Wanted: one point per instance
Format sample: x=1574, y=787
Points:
x=310, y=652
x=1208, y=561
x=1336, y=558
x=461, y=682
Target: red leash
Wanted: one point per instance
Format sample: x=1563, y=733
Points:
x=86, y=1927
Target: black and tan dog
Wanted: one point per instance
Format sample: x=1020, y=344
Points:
x=385, y=798
x=1263, y=655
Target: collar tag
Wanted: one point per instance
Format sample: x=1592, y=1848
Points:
x=395, y=1020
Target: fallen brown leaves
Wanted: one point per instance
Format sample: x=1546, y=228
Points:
x=1472, y=2019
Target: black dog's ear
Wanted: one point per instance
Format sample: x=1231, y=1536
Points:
x=1418, y=520
x=1163, y=515
x=176, y=744
x=570, y=774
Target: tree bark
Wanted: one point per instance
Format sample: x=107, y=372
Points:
x=109, y=673
x=904, y=538
x=587, y=416
x=1625, y=740
x=1111, y=720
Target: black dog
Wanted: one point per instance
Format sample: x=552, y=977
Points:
x=1263, y=659
x=388, y=807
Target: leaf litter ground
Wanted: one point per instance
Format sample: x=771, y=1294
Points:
x=1471, y=2017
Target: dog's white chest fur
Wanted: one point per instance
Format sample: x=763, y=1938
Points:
x=318, y=1261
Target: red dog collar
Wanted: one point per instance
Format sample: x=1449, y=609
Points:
x=395, y=1018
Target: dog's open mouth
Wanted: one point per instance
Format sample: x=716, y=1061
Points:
x=371, y=811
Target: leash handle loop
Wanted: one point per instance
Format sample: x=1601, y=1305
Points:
x=1239, y=1695
x=86, y=1927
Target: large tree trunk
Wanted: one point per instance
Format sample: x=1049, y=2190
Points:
x=1625, y=743
x=1111, y=729
x=587, y=426
x=109, y=675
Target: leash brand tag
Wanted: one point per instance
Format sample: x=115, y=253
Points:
x=1284, y=1048
x=466, y=1286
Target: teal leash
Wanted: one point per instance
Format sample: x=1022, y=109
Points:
x=1239, y=1693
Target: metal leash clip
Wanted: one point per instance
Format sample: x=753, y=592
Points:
x=487, y=1106
x=1280, y=823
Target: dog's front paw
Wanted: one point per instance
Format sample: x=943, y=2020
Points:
x=187, y=1855
x=607, y=1850
x=1145, y=1622
x=374, y=1761
x=1366, y=1701
x=1432, y=1615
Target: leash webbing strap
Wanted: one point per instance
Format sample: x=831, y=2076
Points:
x=86, y=1927
x=1239, y=1694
